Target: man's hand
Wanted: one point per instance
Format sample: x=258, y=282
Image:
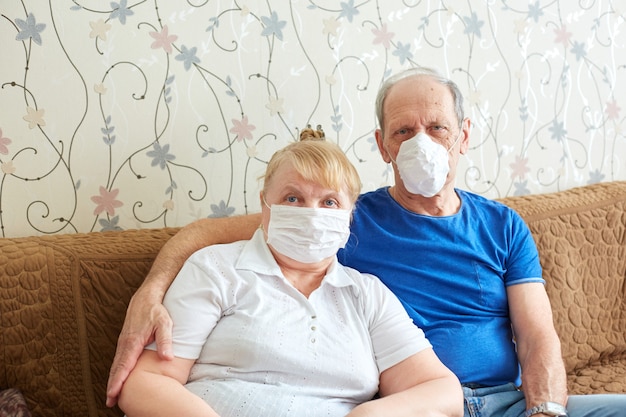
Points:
x=146, y=321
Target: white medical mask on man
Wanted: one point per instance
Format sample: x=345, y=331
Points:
x=308, y=234
x=423, y=164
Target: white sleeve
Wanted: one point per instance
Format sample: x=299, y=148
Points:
x=394, y=335
x=195, y=301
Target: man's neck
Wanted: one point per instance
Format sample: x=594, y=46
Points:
x=445, y=203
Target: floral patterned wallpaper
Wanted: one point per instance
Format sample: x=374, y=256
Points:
x=140, y=114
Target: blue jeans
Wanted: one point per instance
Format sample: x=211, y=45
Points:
x=507, y=401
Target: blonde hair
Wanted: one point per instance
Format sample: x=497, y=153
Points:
x=320, y=161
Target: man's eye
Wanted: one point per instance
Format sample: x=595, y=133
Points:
x=330, y=203
x=292, y=199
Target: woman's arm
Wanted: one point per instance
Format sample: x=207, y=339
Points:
x=155, y=387
x=418, y=386
x=146, y=319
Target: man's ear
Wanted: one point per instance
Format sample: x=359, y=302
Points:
x=467, y=127
x=378, y=134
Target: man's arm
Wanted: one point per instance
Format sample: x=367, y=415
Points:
x=538, y=345
x=146, y=318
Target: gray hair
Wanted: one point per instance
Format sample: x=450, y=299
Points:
x=457, y=97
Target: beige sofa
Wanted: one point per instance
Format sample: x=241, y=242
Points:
x=63, y=299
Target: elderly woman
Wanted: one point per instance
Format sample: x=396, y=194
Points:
x=275, y=326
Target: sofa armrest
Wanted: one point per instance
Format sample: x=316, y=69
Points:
x=581, y=237
x=63, y=300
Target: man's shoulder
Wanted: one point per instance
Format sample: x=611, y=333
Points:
x=481, y=201
x=368, y=195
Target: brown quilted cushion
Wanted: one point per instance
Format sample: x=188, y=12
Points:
x=581, y=237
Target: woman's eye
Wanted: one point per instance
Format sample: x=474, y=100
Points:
x=330, y=203
x=292, y=199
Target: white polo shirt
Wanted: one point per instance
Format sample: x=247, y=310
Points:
x=263, y=349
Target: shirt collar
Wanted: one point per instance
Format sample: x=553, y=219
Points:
x=256, y=257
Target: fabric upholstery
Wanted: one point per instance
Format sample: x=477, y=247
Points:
x=581, y=236
x=62, y=304
x=63, y=299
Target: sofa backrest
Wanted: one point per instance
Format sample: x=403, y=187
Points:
x=581, y=237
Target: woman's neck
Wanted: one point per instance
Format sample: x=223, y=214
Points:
x=306, y=278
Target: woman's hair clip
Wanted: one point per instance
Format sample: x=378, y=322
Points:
x=309, y=133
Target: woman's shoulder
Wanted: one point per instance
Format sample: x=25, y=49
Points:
x=218, y=253
x=364, y=282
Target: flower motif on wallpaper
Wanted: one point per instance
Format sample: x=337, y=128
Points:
x=275, y=106
x=7, y=167
x=348, y=10
x=562, y=36
x=273, y=26
x=221, y=210
x=534, y=11
x=242, y=128
x=595, y=176
x=160, y=155
x=168, y=205
x=612, y=111
x=34, y=117
x=110, y=225
x=252, y=152
x=106, y=201
x=519, y=168
x=4, y=141
x=100, y=88
x=403, y=52
x=120, y=11
x=99, y=29
x=521, y=188
x=330, y=26
x=383, y=36
x=579, y=50
x=163, y=40
x=520, y=27
x=188, y=56
x=473, y=25
x=29, y=29
x=558, y=131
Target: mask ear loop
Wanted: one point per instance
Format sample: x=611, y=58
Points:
x=265, y=202
x=458, y=137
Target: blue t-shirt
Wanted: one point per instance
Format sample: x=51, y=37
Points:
x=451, y=275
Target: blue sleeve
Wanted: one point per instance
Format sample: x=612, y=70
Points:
x=523, y=264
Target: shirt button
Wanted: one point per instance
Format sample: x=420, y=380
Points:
x=313, y=340
x=313, y=328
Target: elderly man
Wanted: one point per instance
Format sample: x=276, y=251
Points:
x=465, y=268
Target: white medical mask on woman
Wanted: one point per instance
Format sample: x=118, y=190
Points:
x=423, y=164
x=308, y=234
